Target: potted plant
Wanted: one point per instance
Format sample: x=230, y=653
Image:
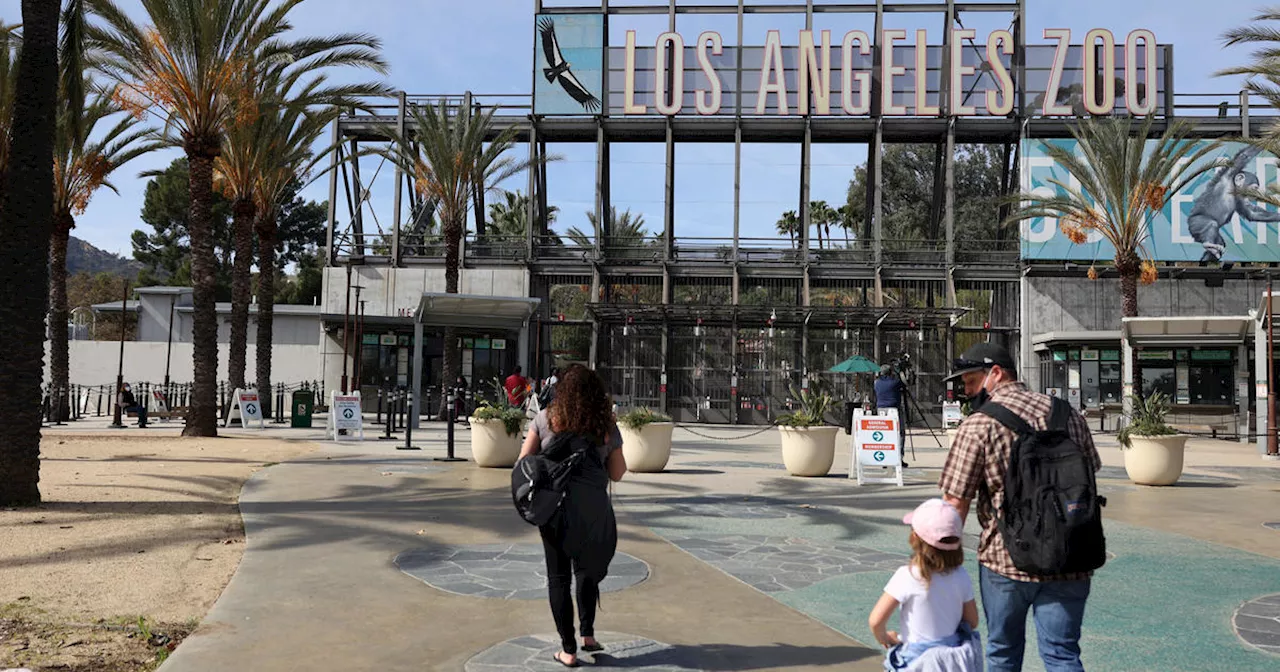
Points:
x=495, y=430
x=646, y=439
x=808, y=443
x=1152, y=450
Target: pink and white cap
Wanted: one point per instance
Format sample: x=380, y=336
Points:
x=935, y=520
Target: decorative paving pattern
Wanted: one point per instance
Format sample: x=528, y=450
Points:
x=777, y=564
x=534, y=653
x=1257, y=622
x=736, y=464
x=505, y=571
x=743, y=507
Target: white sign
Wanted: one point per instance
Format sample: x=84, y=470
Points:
x=1073, y=397
x=345, y=414
x=245, y=407
x=877, y=443
x=952, y=416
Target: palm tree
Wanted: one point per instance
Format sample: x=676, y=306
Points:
x=1266, y=64
x=250, y=151
x=26, y=220
x=847, y=219
x=821, y=215
x=10, y=48
x=789, y=224
x=1125, y=180
x=81, y=167
x=454, y=151
x=625, y=232
x=508, y=218
x=194, y=67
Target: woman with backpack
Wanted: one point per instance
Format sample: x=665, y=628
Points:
x=580, y=539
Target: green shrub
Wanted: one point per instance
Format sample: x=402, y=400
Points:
x=512, y=417
x=814, y=405
x=1147, y=418
x=636, y=418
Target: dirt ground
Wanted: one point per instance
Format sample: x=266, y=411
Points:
x=135, y=540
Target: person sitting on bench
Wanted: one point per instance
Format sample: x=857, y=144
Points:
x=128, y=404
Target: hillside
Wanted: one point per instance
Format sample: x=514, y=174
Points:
x=85, y=258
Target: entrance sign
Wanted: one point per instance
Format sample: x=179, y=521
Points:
x=344, y=415
x=1210, y=219
x=245, y=407
x=951, y=414
x=826, y=73
x=876, y=443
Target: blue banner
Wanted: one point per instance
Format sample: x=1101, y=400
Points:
x=1209, y=220
x=568, y=63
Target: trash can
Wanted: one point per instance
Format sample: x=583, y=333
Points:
x=304, y=403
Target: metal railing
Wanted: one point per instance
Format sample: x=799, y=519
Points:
x=491, y=247
x=914, y=251
x=349, y=244
x=993, y=252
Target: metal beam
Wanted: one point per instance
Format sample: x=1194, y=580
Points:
x=334, y=158
x=396, y=219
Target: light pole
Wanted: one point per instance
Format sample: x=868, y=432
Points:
x=173, y=299
x=359, y=365
x=116, y=419
x=346, y=329
x=355, y=344
x=1272, y=447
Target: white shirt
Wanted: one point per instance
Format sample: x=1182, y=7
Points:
x=933, y=611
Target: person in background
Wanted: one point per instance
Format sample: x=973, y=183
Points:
x=460, y=399
x=890, y=392
x=517, y=387
x=129, y=404
x=548, y=393
x=580, y=540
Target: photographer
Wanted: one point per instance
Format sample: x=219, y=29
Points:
x=890, y=392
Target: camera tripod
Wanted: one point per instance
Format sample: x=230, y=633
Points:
x=900, y=370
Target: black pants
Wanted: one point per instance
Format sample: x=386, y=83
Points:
x=560, y=571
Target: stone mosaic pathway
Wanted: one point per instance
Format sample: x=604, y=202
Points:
x=1257, y=622
x=534, y=653
x=774, y=564
x=505, y=571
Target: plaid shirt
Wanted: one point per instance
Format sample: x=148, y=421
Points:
x=979, y=459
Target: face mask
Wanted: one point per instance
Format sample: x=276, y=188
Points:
x=982, y=397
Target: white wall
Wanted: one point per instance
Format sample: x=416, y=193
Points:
x=95, y=362
x=388, y=291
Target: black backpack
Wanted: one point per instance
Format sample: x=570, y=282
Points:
x=1051, y=517
x=539, y=482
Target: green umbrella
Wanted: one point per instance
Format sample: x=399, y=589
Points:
x=856, y=364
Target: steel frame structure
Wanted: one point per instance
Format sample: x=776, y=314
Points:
x=942, y=264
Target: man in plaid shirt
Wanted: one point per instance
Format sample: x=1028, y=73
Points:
x=976, y=468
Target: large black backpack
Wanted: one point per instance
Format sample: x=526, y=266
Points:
x=539, y=482
x=1051, y=517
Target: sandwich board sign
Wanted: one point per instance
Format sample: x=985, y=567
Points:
x=951, y=414
x=344, y=414
x=246, y=408
x=876, y=445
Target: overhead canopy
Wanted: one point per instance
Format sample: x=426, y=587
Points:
x=1187, y=331
x=469, y=311
x=1045, y=341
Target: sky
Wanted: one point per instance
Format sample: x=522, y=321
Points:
x=486, y=46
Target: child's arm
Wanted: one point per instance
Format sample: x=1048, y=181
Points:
x=970, y=614
x=880, y=618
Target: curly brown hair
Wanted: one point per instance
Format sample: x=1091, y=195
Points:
x=582, y=404
x=929, y=560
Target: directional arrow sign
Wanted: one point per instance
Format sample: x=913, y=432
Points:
x=879, y=455
x=250, y=409
x=348, y=414
x=877, y=436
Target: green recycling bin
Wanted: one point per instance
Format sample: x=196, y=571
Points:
x=304, y=404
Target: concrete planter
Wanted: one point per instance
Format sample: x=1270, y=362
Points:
x=1154, y=460
x=491, y=446
x=647, y=449
x=808, y=451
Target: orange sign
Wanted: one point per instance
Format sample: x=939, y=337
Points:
x=871, y=424
x=879, y=446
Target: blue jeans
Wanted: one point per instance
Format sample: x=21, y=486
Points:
x=1058, y=609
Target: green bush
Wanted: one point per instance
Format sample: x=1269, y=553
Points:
x=636, y=418
x=1147, y=418
x=814, y=405
x=512, y=417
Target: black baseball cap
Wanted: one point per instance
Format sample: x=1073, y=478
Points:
x=980, y=357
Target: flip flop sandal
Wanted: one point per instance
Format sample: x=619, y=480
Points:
x=592, y=648
x=556, y=657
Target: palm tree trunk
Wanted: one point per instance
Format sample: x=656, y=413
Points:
x=452, y=357
x=59, y=349
x=24, y=259
x=1129, y=268
x=202, y=420
x=266, y=307
x=242, y=233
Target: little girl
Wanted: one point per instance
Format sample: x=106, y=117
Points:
x=939, y=614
